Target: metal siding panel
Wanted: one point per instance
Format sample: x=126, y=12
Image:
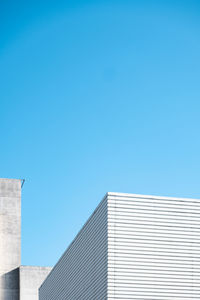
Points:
x=81, y=273
x=153, y=248
x=132, y=247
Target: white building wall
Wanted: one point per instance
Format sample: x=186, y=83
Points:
x=16, y=283
x=133, y=247
x=153, y=247
x=10, y=238
x=81, y=273
x=31, y=277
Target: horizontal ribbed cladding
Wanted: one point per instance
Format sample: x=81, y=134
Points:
x=81, y=273
x=153, y=247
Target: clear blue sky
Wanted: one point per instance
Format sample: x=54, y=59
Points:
x=96, y=96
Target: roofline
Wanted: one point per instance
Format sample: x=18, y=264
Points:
x=6, y=178
x=104, y=198
x=78, y=233
x=35, y=267
x=148, y=196
x=14, y=179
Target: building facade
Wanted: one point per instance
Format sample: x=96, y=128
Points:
x=16, y=282
x=10, y=237
x=132, y=247
x=30, y=279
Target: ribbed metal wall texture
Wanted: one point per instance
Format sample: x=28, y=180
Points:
x=153, y=247
x=132, y=247
x=81, y=273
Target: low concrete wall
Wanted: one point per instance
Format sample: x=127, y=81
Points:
x=31, y=278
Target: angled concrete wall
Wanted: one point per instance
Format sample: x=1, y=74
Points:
x=31, y=278
x=10, y=238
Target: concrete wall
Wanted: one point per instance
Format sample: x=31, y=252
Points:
x=10, y=238
x=16, y=283
x=81, y=271
x=31, y=278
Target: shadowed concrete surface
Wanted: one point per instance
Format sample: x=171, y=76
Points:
x=16, y=282
x=10, y=285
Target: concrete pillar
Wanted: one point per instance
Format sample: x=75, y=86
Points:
x=10, y=238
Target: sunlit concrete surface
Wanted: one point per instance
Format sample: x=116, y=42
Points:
x=10, y=238
x=16, y=282
x=31, y=278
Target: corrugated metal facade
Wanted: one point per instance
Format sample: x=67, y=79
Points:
x=132, y=247
x=154, y=247
x=81, y=273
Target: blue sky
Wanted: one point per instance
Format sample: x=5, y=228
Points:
x=96, y=96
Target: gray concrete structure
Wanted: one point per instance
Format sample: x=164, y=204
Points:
x=10, y=238
x=132, y=247
x=12, y=276
x=31, y=278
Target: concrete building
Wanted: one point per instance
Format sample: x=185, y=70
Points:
x=132, y=247
x=30, y=279
x=16, y=282
x=10, y=237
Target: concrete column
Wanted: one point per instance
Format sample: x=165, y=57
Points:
x=10, y=238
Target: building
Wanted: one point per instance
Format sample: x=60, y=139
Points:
x=132, y=247
x=16, y=282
